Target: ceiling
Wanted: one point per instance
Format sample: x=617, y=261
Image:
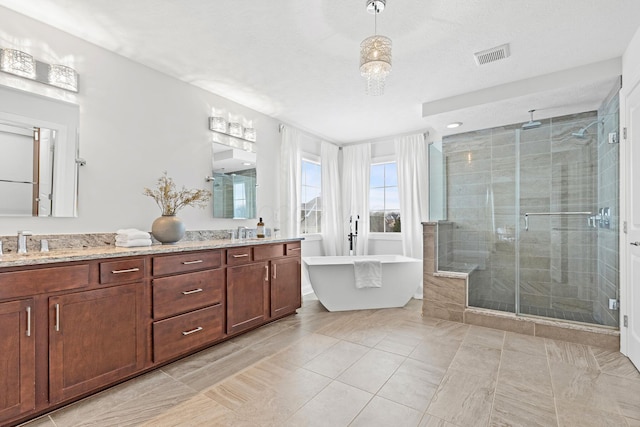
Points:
x=297, y=61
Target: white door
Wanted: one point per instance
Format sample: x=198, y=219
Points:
x=631, y=240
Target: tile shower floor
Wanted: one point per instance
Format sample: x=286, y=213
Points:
x=387, y=367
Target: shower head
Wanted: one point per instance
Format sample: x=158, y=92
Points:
x=531, y=124
x=581, y=133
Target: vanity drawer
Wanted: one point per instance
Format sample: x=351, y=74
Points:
x=16, y=284
x=186, y=292
x=293, y=249
x=127, y=270
x=189, y=261
x=237, y=256
x=180, y=334
x=262, y=252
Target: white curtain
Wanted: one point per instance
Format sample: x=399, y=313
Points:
x=290, y=172
x=332, y=229
x=356, y=165
x=413, y=187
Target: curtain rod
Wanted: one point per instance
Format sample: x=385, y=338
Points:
x=387, y=138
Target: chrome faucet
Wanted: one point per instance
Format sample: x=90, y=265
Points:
x=242, y=232
x=22, y=241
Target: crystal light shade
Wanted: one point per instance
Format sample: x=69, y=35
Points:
x=218, y=124
x=375, y=62
x=250, y=134
x=17, y=62
x=235, y=129
x=63, y=77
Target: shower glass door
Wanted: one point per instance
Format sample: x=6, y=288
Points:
x=560, y=216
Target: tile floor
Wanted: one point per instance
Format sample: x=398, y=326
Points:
x=373, y=368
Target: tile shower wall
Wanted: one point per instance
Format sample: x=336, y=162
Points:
x=557, y=172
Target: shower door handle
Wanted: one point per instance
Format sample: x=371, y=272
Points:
x=635, y=243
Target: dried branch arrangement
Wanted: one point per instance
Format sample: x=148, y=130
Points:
x=171, y=200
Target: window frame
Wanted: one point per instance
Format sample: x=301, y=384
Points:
x=315, y=159
x=384, y=235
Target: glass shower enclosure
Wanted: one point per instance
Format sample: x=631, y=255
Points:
x=532, y=215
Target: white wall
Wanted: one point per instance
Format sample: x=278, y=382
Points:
x=134, y=124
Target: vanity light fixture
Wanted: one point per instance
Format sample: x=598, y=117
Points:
x=22, y=64
x=233, y=133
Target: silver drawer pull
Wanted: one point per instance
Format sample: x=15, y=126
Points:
x=198, y=329
x=28, y=321
x=194, y=291
x=128, y=270
x=240, y=256
x=198, y=261
x=57, y=317
x=294, y=249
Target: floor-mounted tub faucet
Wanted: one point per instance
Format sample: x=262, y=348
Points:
x=353, y=235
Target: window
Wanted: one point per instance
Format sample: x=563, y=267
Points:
x=384, y=200
x=311, y=197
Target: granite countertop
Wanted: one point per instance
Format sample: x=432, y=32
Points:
x=111, y=251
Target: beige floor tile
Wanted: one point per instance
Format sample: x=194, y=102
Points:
x=336, y=359
x=384, y=413
x=577, y=355
x=44, y=421
x=198, y=410
x=571, y=414
x=432, y=421
x=525, y=372
x=235, y=391
x=301, y=386
x=463, y=399
x=213, y=373
x=477, y=360
x=413, y=384
x=515, y=406
x=633, y=422
x=337, y=405
x=436, y=351
x=485, y=337
x=625, y=392
x=102, y=403
x=371, y=371
x=581, y=386
x=534, y=346
x=304, y=350
x=452, y=331
x=615, y=363
x=201, y=359
x=139, y=410
x=398, y=343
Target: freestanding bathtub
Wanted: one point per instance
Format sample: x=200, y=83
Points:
x=333, y=281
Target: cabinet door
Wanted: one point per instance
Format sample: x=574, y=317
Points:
x=17, y=359
x=247, y=296
x=285, y=286
x=94, y=339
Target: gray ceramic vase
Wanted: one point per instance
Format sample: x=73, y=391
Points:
x=168, y=229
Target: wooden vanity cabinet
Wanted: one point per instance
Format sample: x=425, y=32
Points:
x=188, y=307
x=94, y=339
x=72, y=328
x=17, y=353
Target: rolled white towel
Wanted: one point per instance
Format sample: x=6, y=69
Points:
x=133, y=243
x=131, y=234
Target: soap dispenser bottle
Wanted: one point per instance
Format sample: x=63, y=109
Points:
x=260, y=229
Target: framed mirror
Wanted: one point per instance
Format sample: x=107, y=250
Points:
x=234, y=182
x=38, y=152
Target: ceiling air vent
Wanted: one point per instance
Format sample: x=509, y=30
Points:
x=492, y=55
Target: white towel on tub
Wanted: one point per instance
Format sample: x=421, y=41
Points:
x=368, y=273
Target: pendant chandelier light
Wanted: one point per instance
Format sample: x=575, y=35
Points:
x=375, y=53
